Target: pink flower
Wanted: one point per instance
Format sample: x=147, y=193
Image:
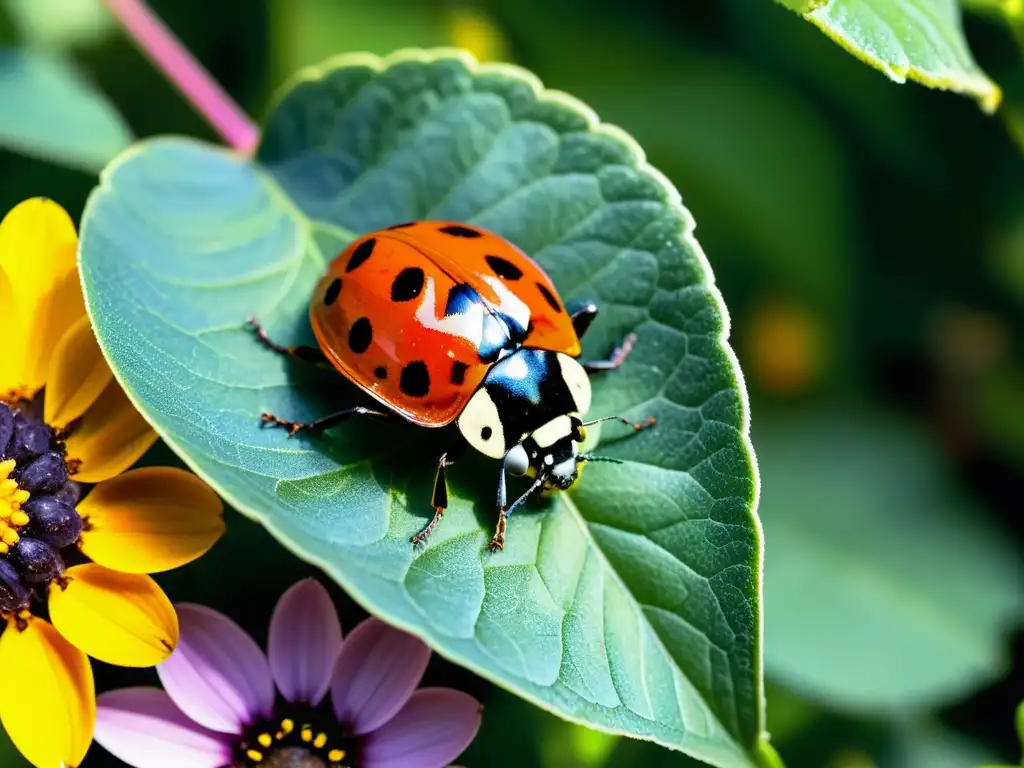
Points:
x=218, y=707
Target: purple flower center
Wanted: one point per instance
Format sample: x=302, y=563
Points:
x=299, y=737
x=37, y=505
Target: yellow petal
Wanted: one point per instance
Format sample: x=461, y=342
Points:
x=11, y=361
x=78, y=375
x=119, y=618
x=110, y=437
x=37, y=252
x=150, y=520
x=47, y=700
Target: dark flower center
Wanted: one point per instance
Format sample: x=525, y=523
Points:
x=37, y=504
x=297, y=737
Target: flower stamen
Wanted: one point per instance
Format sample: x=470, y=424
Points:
x=37, y=515
x=291, y=740
x=11, y=499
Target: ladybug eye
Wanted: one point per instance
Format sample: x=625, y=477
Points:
x=516, y=460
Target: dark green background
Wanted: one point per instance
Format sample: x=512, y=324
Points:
x=870, y=234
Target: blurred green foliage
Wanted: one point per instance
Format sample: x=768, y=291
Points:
x=866, y=237
x=50, y=112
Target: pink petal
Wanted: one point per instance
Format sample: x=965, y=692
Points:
x=377, y=671
x=217, y=675
x=430, y=731
x=142, y=727
x=304, y=642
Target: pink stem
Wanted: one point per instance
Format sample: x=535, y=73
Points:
x=165, y=50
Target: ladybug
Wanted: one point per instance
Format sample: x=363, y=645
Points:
x=445, y=323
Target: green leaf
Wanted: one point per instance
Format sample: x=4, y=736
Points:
x=888, y=590
x=630, y=604
x=1019, y=721
x=49, y=111
x=931, y=745
x=922, y=40
x=61, y=23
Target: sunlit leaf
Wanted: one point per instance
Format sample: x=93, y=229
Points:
x=631, y=604
x=51, y=112
x=61, y=22
x=888, y=590
x=920, y=40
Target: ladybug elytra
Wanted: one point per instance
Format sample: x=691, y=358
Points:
x=445, y=323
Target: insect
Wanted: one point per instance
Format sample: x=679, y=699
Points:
x=445, y=323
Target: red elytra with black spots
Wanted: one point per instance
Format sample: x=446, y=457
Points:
x=417, y=313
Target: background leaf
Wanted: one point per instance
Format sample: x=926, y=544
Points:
x=61, y=23
x=918, y=39
x=929, y=745
x=936, y=595
x=50, y=111
x=631, y=604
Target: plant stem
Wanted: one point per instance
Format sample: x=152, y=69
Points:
x=161, y=46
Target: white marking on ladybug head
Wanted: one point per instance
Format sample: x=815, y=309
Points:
x=575, y=377
x=480, y=424
x=564, y=472
x=548, y=434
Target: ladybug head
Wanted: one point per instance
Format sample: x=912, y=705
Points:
x=555, y=465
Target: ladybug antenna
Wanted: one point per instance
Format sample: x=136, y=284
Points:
x=591, y=457
x=531, y=491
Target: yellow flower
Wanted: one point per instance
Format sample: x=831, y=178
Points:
x=472, y=29
x=78, y=532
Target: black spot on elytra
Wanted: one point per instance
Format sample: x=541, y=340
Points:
x=380, y=372
x=459, y=372
x=360, y=335
x=361, y=253
x=415, y=381
x=402, y=226
x=331, y=294
x=549, y=297
x=407, y=285
x=503, y=268
x=456, y=230
x=485, y=433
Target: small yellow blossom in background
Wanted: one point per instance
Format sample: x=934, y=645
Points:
x=472, y=29
x=79, y=531
x=784, y=348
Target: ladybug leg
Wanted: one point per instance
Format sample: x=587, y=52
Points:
x=618, y=356
x=582, y=314
x=305, y=354
x=438, y=500
x=326, y=422
x=498, y=541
